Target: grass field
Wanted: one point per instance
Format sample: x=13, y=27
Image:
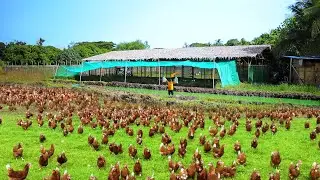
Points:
x=293, y=145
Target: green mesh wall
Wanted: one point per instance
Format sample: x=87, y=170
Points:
x=227, y=70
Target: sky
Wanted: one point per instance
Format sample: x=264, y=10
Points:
x=163, y=23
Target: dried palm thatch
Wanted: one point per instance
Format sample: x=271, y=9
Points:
x=192, y=53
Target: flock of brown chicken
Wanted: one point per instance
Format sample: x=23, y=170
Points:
x=57, y=106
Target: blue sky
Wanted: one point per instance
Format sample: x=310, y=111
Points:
x=163, y=23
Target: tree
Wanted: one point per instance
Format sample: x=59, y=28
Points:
x=233, y=42
x=134, y=45
x=68, y=56
x=40, y=42
x=244, y=42
x=199, y=44
x=2, y=48
x=218, y=42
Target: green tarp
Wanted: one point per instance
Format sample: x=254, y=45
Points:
x=227, y=69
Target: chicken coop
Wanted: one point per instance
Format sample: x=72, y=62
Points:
x=304, y=69
x=195, y=66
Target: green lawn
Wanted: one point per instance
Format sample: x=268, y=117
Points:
x=293, y=144
x=216, y=97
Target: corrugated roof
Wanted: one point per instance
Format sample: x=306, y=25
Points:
x=191, y=53
x=303, y=57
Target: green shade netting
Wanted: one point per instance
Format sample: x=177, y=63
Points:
x=227, y=70
x=258, y=74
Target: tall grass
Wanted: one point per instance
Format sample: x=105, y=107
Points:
x=26, y=75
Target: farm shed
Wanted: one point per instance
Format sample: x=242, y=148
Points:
x=192, y=63
x=304, y=69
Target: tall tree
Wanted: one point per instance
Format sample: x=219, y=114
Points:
x=134, y=45
x=232, y=42
x=218, y=42
x=40, y=42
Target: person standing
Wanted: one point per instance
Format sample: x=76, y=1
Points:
x=170, y=87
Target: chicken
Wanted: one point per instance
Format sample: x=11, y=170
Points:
x=222, y=132
x=92, y=177
x=50, y=151
x=191, y=133
x=275, y=176
x=66, y=176
x=171, y=149
x=242, y=158
x=257, y=133
x=65, y=132
x=202, y=139
x=146, y=153
x=139, y=140
x=95, y=144
x=42, y=138
x=18, y=175
x=80, y=129
x=17, y=150
x=173, y=166
x=307, y=125
x=140, y=133
x=254, y=143
x=182, y=150
x=183, y=142
x=237, y=146
x=55, y=175
x=207, y=146
x=62, y=158
x=313, y=135
x=248, y=127
x=125, y=172
x=294, y=170
x=43, y=159
x=218, y=152
x=315, y=171
x=132, y=151
x=90, y=139
x=105, y=139
x=113, y=174
x=265, y=128
x=202, y=175
x=212, y=175
x=173, y=176
x=137, y=168
x=196, y=156
x=255, y=175
x=101, y=162
x=275, y=159
x=213, y=131
x=191, y=170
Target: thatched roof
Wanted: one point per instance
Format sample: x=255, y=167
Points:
x=192, y=53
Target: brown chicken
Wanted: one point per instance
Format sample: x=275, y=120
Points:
x=248, y=127
x=101, y=162
x=202, y=175
x=202, y=139
x=113, y=174
x=65, y=175
x=139, y=140
x=62, y=158
x=315, y=171
x=255, y=175
x=182, y=151
x=43, y=159
x=218, y=152
x=42, y=138
x=173, y=166
x=213, y=131
x=105, y=139
x=275, y=159
x=50, y=151
x=212, y=175
x=55, y=175
x=294, y=170
x=207, y=146
x=146, y=153
x=132, y=151
x=95, y=144
x=242, y=158
x=90, y=139
x=17, y=150
x=237, y=146
x=125, y=172
x=275, y=176
x=254, y=143
x=137, y=169
x=257, y=133
x=313, y=135
x=80, y=129
x=307, y=125
x=18, y=175
x=191, y=170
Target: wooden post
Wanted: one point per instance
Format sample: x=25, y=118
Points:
x=125, y=72
x=192, y=71
x=100, y=74
x=213, y=72
x=81, y=71
x=290, y=70
x=159, y=72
